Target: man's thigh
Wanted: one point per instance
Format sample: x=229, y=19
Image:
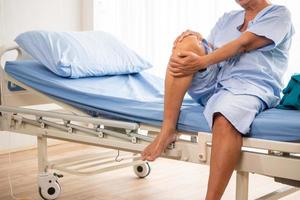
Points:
x=239, y=110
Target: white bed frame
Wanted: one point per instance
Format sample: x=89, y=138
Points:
x=265, y=157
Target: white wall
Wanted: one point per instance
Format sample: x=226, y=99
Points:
x=150, y=26
x=17, y=16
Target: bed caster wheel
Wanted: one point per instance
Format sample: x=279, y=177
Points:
x=49, y=187
x=142, y=170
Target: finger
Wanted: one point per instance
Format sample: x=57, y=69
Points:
x=178, y=39
x=184, y=36
x=183, y=54
x=177, y=60
x=175, y=70
x=176, y=75
x=181, y=73
x=187, y=60
x=174, y=64
x=199, y=36
x=183, y=69
x=175, y=42
x=188, y=33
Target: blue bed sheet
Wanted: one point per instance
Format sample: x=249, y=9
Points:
x=139, y=98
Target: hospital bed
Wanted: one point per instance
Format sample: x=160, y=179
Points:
x=124, y=113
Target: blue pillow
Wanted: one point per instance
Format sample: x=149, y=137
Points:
x=81, y=54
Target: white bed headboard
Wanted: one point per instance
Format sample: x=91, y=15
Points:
x=15, y=98
x=12, y=52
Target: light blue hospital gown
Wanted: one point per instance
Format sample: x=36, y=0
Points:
x=241, y=87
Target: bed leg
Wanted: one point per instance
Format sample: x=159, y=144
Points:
x=42, y=154
x=242, y=180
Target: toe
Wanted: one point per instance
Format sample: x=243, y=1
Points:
x=143, y=155
x=150, y=158
x=153, y=156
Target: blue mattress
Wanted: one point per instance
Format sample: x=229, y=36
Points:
x=139, y=98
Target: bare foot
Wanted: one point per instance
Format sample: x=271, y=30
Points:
x=160, y=143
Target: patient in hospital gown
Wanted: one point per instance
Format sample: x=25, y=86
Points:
x=235, y=74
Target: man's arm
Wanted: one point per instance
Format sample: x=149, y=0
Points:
x=187, y=62
x=246, y=42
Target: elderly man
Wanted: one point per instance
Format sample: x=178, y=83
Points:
x=235, y=75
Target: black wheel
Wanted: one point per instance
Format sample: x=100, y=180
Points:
x=50, y=192
x=40, y=192
x=142, y=170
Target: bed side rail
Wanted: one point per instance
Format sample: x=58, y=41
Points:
x=272, y=146
x=70, y=117
x=204, y=141
x=108, y=133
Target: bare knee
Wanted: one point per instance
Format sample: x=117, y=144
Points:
x=222, y=125
x=220, y=121
x=190, y=43
x=224, y=130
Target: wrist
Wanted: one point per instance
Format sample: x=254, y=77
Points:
x=207, y=60
x=203, y=63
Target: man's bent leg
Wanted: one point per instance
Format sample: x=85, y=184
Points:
x=175, y=89
x=226, y=150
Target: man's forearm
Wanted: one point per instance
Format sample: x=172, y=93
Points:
x=223, y=53
x=245, y=43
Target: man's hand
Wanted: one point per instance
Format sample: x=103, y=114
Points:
x=186, y=63
x=185, y=34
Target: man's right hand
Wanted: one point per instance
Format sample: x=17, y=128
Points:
x=186, y=34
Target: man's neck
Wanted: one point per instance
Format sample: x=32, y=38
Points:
x=255, y=7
